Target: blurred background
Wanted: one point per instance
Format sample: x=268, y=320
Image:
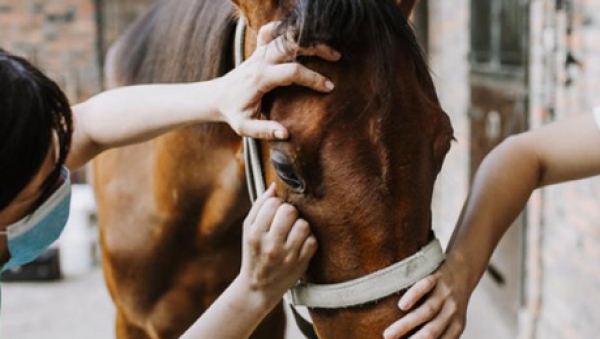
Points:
x=501, y=67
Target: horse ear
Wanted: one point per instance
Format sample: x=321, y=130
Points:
x=407, y=6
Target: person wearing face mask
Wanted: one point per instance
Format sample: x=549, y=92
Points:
x=43, y=139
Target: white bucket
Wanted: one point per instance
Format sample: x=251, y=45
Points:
x=79, y=240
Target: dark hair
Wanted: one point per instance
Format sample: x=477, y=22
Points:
x=349, y=24
x=33, y=110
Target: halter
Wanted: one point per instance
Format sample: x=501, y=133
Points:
x=367, y=289
x=254, y=171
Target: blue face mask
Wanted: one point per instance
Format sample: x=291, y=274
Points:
x=32, y=235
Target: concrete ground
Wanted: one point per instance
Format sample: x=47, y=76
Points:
x=81, y=308
x=72, y=308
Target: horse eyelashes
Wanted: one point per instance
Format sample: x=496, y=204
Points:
x=287, y=174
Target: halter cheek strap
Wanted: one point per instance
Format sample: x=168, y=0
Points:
x=255, y=179
x=254, y=172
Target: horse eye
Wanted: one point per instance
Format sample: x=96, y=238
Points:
x=287, y=173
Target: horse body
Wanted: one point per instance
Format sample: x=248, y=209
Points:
x=360, y=164
x=171, y=210
x=166, y=260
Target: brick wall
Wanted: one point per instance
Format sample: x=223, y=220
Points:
x=58, y=36
x=66, y=38
x=565, y=226
x=562, y=278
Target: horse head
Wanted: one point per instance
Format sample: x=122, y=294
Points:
x=361, y=163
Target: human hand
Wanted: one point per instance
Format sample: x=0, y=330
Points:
x=277, y=248
x=442, y=314
x=240, y=92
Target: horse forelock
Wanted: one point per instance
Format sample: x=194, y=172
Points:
x=351, y=25
x=396, y=66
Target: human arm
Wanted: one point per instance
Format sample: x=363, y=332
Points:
x=277, y=248
x=562, y=151
x=134, y=114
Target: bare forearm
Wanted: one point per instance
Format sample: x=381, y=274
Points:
x=500, y=191
x=559, y=152
x=234, y=315
x=135, y=114
x=138, y=113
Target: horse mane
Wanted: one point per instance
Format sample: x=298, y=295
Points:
x=347, y=25
x=197, y=46
x=194, y=47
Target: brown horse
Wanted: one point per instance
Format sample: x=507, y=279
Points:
x=360, y=164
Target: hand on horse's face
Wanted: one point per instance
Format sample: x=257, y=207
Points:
x=240, y=92
x=443, y=297
x=277, y=248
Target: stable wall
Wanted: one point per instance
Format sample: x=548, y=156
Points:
x=67, y=38
x=563, y=277
x=561, y=283
x=57, y=36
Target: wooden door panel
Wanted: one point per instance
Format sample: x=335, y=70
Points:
x=498, y=110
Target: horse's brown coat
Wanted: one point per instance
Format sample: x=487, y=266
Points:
x=171, y=209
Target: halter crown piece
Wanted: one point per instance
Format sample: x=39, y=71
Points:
x=367, y=289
